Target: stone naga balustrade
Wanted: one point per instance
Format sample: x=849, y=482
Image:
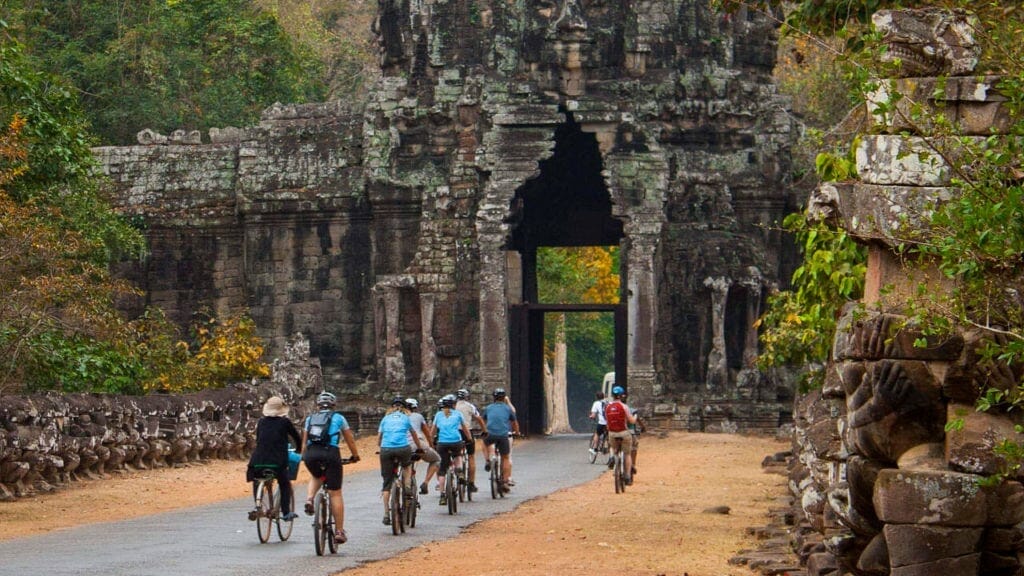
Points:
x=50, y=439
x=883, y=487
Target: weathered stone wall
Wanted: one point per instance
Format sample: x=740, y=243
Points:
x=391, y=234
x=883, y=486
x=49, y=440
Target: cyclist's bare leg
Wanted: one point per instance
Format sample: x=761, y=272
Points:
x=338, y=509
x=311, y=490
x=431, y=470
x=506, y=467
x=472, y=466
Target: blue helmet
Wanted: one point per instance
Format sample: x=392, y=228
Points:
x=618, y=390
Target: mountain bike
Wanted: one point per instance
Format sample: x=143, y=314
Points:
x=323, y=518
x=618, y=466
x=451, y=489
x=404, y=501
x=499, y=484
x=598, y=445
x=268, y=507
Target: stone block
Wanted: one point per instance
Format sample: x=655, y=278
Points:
x=961, y=566
x=1005, y=504
x=887, y=213
x=972, y=104
x=913, y=544
x=951, y=499
x=901, y=160
x=972, y=447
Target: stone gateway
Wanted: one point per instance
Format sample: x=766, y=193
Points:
x=399, y=233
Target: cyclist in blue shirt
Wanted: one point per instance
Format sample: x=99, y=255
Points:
x=500, y=418
x=451, y=429
x=393, y=437
x=324, y=461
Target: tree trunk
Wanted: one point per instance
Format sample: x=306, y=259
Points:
x=555, y=393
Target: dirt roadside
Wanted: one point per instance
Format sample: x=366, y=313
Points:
x=662, y=525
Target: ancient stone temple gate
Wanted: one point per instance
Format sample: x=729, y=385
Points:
x=400, y=233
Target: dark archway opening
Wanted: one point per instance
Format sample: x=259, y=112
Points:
x=567, y=205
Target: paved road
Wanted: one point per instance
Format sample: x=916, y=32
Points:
x=218, y=539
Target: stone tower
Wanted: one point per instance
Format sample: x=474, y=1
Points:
x=400, y=233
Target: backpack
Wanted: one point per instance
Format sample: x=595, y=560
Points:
x=615, y=415
x=318, y=430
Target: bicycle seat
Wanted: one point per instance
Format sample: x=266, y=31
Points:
x=266, y=473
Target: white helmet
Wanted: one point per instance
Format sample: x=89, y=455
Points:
x=412, y=403
x=326, y=399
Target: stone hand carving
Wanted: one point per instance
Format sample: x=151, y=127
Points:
x=897, y=406
x=928, y=42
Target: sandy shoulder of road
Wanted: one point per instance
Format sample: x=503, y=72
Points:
x=662, y=525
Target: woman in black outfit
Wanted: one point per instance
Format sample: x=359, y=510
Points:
x=273, y=431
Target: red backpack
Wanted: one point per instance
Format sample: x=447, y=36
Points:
x=615, y=415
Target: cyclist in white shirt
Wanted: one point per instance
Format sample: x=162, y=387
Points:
x=597, y=414
x=471, y=416
x=424, y=431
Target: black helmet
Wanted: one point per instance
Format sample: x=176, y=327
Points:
x=326, y=400
x=398, y=401
x=499, y=393
x=462, y=394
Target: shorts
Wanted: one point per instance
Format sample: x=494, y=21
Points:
x=324, y=462
x=627, y=439
x=429, y=455
x=388, y=456
x=500, y=442
x=448, y=452
x=471, y=444
x=601, y=429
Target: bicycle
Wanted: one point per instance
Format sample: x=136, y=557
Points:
x=404, y=501
x=451, y=489
x=598, y=445
x=499, y=484
x=268, y=507
x=323, y=518
x=618, y=466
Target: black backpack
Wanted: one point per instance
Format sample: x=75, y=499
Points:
x=318, y=428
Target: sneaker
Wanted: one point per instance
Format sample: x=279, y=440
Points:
x=593, y=452
x=611, y=463
x=387, y=520
x=309, y=508
x=472, y=487
x=423, y=488
x=289, y=517
x=444, y=500
x=632, y=472
x=340, y=537
x=254, y=514
x=628, y=480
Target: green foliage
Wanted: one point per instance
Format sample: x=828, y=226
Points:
x=583, y=275
x=59, y=170
x=191, y=64
x=799, y=324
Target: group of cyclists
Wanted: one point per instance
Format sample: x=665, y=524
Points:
x=403, y=432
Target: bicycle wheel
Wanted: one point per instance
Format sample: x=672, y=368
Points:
x=412, y=504
x=331, y=544
x=461, y=486
x=395, y=508
x=451, y=492
x=620, y=485
x=284, y=527
x=495, y=486
x=321, y=530
x=264, y=509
